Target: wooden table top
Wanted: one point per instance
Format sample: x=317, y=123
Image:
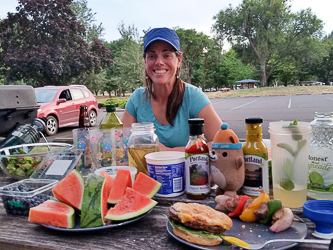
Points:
x=148, y=233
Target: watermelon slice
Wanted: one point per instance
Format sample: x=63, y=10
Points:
x=109, y=180
x=146, y=185
x=54, y=213
x=94, y=205
x=131, y=205
x=122, y=180
x=70, y=189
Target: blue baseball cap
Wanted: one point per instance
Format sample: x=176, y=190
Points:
x=162, y=34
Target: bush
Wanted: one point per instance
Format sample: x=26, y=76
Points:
x=117, y=102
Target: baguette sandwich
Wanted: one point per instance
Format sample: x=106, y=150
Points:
x=198, y=224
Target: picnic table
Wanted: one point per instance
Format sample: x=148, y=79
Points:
x=148, y=233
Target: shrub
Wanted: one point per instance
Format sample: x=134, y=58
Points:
x=117, y=102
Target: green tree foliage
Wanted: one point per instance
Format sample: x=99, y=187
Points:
x=193, y=45
x=324, y=70
x=42, y=43
x=128, y=69
x=87, y=18
x=266, y=30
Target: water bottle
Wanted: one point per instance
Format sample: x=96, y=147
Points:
x=25, y=134
x=320, y=181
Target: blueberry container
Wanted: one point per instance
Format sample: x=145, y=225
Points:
x=20, y=196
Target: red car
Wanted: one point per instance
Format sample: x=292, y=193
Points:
x=61, y=106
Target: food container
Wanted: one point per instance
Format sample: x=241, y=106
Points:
x=20, y=196
x=112, y=171
x=57, y=164
x=20, y=161
x=167, y=167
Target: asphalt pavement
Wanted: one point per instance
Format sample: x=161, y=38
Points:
x=235, y=110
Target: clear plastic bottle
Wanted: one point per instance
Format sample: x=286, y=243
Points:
x=320, y=181
x=256, y=159
x=142, y=141
x=197, y=170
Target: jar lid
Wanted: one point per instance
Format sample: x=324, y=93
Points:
x=253, y=120
x=142, y=125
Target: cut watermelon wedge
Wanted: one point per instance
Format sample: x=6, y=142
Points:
x=131, y=205
x=122, y=180
x=146, y=185
x=94, y=206
x=70, y=190
x=53, y=213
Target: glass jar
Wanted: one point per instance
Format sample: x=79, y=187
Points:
x=320, y=181
x=142, y=141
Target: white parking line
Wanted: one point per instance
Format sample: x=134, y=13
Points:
x=243, y=105
x=329, y=98
x=289, y=105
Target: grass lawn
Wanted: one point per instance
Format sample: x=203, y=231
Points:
x=296, y=90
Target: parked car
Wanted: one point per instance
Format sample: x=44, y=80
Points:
x=61, y=106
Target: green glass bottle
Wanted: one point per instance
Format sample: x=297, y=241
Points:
x=111, y=120
x=111, y=141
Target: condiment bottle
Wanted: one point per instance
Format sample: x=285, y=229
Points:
x=84, y=118
x=197, y=178
x=321, y=157
x=85, y=165
x=142, y=141
x=256, y=159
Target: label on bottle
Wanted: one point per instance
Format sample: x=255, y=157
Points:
x=320, y=172
x=197, y=174
x=256, y=174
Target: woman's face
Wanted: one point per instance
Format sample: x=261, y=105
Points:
x=162, y=63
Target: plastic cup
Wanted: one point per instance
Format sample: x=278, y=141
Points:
x=290, y=152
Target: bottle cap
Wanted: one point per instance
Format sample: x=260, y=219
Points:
x=253, y=120
x=196, y=126
x=110, y=108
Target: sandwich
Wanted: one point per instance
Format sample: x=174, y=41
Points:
x=198, y=224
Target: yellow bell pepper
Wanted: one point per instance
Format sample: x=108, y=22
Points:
x=248, y=214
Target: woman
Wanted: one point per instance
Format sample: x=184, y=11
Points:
x=166, y=100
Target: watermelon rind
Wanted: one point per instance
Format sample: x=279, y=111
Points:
x=50, y=213
x=66, y=192
x=125, y=208
x=92, y=210
x=146, y=185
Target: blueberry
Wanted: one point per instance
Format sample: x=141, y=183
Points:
x=14, y=211
x=26, y=212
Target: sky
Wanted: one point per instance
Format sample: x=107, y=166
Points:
x=186, y=14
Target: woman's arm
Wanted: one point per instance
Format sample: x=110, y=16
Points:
x=127, y=119
x=212, y=121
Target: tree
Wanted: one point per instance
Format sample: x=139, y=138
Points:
x=324, y=70
x=269, y=29
x=85, y=16
x=42, y=42
x=193, y=45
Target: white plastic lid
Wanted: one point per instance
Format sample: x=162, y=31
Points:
x=165, y=157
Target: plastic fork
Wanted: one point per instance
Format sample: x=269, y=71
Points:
x=261, y=245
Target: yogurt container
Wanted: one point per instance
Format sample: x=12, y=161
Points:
x=167, y=167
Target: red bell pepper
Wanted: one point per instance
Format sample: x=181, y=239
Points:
x=241, y=202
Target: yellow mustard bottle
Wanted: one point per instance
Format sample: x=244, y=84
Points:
x=256, y=159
